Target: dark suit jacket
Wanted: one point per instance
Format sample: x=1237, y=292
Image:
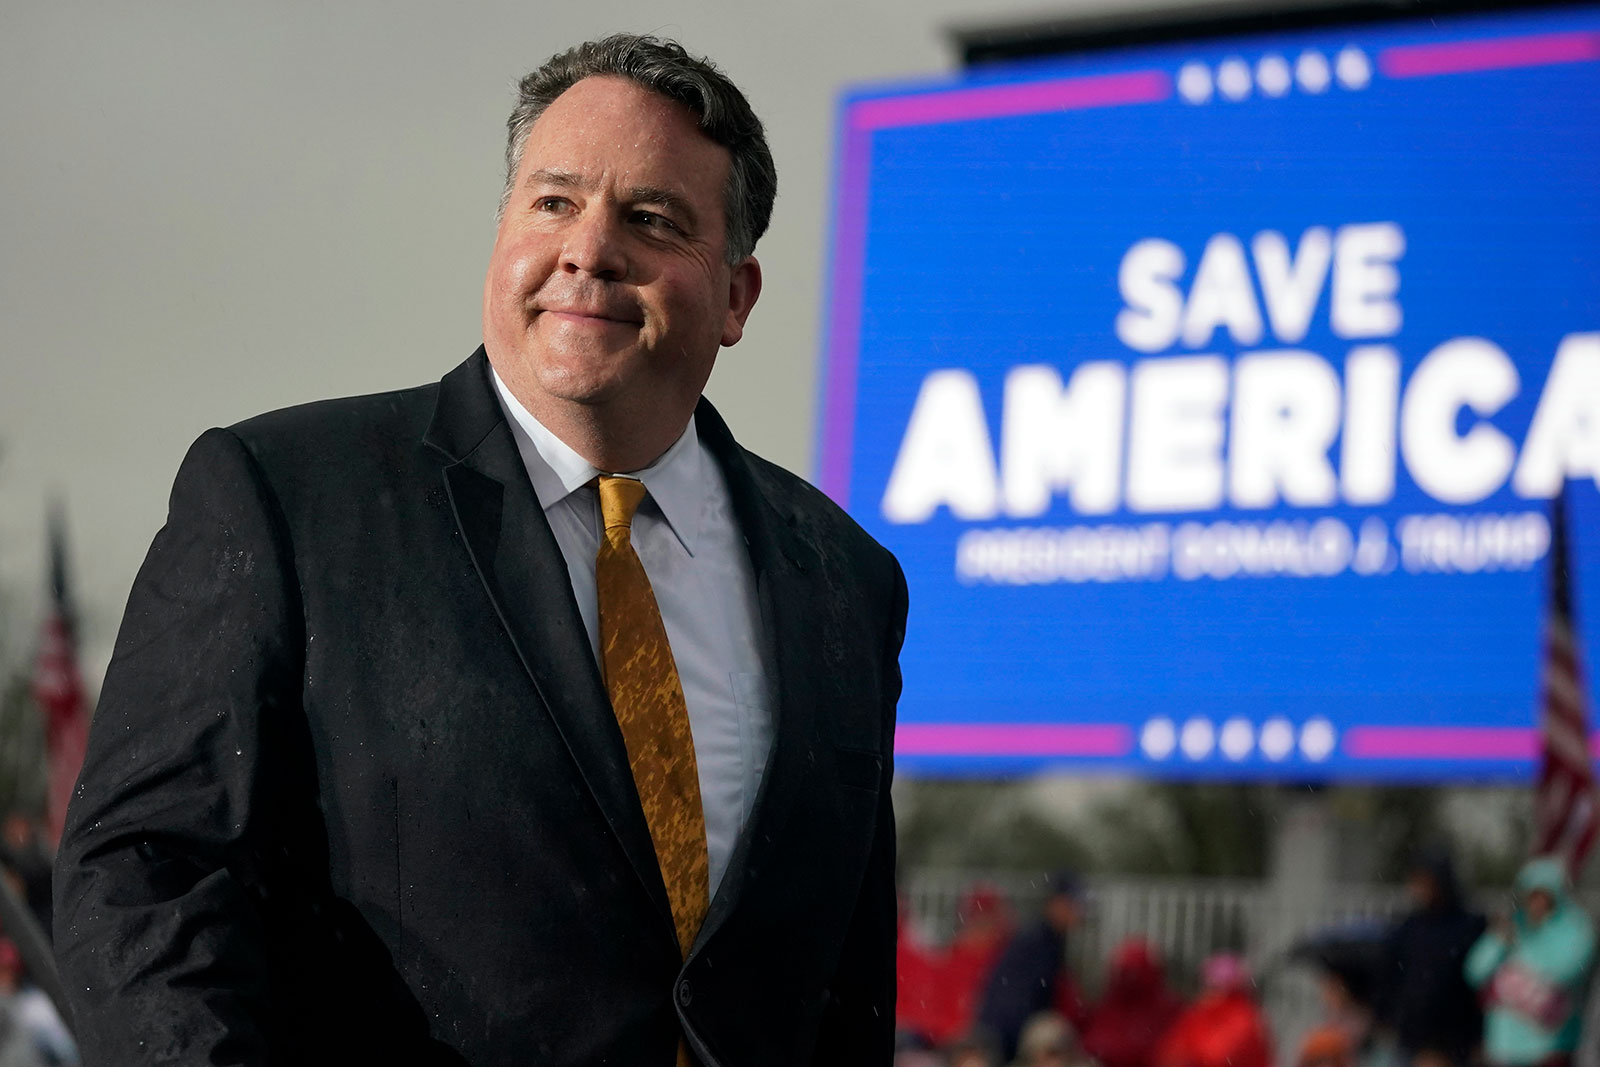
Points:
x=355, y=793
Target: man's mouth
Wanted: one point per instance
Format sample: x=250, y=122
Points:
x=579, y=316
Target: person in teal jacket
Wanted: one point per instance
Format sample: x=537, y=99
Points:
x=1533, y=971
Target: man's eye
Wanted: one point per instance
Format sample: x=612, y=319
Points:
x=550, y=203
x=653, y=221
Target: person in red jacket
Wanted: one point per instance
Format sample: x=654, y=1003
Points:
x=939, y=987
x=1135, y=1011
x=984, y=931
x=1225, y=1027
x=917, y=1002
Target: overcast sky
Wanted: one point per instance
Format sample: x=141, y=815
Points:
x=217, y=209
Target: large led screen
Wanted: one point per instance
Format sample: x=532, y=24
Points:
x=1214, y=396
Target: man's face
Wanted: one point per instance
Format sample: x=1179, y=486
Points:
x=1538, y=905
x=1062, y=912
x=608, y=286
x=1422, y=888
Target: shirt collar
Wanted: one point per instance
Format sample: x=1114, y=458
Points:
x=675, y=481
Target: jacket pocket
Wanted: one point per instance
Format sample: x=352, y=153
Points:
x=861, y=768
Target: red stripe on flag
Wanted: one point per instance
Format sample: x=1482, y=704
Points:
x=1566, y=799
x=59, y=691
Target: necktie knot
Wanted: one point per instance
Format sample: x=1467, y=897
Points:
x=619, y=499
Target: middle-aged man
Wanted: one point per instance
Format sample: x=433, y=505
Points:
x=524, y=718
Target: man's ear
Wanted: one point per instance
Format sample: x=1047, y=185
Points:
x=743, y=288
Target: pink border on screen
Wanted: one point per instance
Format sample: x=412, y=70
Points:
x=1000, y=101
x=1012, y=739
x=850, y=233
x=1505, y=53
x=844, y=321
x=1508, y=743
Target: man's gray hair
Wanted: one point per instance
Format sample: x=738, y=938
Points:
x=662, y=66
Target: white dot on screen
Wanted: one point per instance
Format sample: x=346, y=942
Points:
x=1238, y=738
x=1273, y=75
x=1233, y=78
x=1194, y=82
x=1317, y=739
x=1277, y=739
x=1353, y=68
x=1198, y=738
x=1311, y=71
x=1158, y=738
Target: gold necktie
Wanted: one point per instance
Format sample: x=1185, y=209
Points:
x=647, y=697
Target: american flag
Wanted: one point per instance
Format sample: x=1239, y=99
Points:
x=1566, y=801
x=58, y=686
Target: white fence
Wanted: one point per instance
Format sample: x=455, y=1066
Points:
x=1188, y=920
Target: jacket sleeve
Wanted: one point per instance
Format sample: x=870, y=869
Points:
x=1565, y=960
x=1485, y=958
x=158, y=933
x=858, y=1022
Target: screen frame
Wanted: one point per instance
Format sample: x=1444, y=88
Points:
x=981, y=45
x=881, y=100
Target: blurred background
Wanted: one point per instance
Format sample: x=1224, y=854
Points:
x=1214, y=369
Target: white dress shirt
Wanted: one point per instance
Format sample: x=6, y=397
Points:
x=695, y=555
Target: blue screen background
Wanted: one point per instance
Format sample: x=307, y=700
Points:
x=996, y=242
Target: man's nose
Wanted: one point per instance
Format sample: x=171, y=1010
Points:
x=595, y=245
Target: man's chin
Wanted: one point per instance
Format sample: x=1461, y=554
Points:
x=586, y=389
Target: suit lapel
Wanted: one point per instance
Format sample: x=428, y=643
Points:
x=526, y=578
x=785, y=569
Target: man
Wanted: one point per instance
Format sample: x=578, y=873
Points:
x=1031, y=975
x=429, y=739
x=1422, y=996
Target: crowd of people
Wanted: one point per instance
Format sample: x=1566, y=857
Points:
x=999, y=994
x=1438, y=986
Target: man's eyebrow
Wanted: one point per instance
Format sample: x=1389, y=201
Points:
x=665, y=198
x=561, y=179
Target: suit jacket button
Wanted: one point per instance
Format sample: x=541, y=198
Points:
x=685, y=993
